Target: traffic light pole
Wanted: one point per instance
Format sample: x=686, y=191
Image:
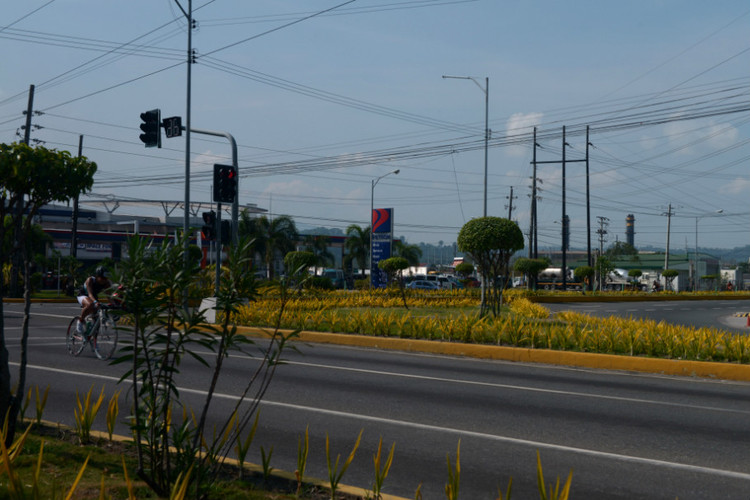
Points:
x=235, y=203
x=217, y=243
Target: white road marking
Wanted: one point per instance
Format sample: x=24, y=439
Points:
x=462, y=432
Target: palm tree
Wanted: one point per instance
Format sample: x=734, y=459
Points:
x=412, y=253
x=272, y=238
x=358, y=245
x=318, y=245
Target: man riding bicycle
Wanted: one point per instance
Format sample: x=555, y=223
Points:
x=88, y=296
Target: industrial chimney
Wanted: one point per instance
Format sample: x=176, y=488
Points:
x=630, y=230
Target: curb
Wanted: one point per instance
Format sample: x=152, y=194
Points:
x=683, y=368
x=350, y=490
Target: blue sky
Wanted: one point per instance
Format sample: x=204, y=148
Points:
x=323, y=105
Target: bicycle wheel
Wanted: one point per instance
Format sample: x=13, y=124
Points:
x=74, y=340
x=105, y=340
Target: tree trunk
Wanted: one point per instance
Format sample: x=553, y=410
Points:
x=17, y=399
x=5, y=392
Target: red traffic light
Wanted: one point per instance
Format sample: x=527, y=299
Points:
x=225, y=183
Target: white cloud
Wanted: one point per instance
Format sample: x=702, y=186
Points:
x=690, y=137
x=206, y=160
x=521, y=123
x=737, y=186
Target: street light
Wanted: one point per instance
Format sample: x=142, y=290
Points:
x=486, y=90
x=374, y=183
x=695, y=264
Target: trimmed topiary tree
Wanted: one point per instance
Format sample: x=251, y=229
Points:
x=464, y=269
x=584, y=275
x=491, y=242
x=670, y=275
x=634, y=274
x=531, y=269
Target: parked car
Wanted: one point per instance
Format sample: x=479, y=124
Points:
x=441, y=281
x=455, y=284
x=422, y=285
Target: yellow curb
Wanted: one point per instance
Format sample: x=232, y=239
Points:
x=707, y=369
x=351, y=490
x=741, y=315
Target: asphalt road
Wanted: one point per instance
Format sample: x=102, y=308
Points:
x=696, y=313
x=624, y=435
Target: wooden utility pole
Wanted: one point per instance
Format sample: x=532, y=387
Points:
x=74, y=232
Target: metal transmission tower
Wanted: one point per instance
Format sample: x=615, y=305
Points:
x=564, y=163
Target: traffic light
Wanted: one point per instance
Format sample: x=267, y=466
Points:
x=226, y=232
x=209, y=228
x=151, y=127
x=225, y=183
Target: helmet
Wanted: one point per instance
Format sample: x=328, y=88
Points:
x=100, y=272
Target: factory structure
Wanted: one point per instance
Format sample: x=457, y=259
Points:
x=696, y=270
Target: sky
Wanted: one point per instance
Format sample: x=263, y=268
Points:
x=326, y=98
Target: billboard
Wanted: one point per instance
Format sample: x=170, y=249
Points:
x=380, y=244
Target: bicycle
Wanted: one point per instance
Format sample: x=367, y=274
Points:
x=100, y=333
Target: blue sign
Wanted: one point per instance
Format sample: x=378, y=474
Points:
x=380, y=246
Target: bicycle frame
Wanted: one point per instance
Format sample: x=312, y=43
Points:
x=101, y=334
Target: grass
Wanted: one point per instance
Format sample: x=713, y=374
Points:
x=64, y=456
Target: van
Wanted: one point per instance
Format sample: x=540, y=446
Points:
x=336, y=276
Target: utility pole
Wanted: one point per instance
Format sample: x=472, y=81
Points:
x=564, y=215
x=602, y=232
x=28, y=112
x=17, y=261
x=669, y=214
x=509, y=206
x=190, y=61
x=74, y=232
x=564, y=162
x=588, y=202
x=533, y=248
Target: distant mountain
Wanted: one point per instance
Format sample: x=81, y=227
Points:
x=323, y=231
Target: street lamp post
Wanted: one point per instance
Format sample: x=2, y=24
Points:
x=486, y=90
x=374, y=183
x=695, y=263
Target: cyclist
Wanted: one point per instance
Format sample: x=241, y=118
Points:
x=88, y=296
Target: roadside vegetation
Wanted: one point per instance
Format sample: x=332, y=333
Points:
x=453, y=316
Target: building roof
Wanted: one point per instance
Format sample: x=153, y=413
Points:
x=653, y=261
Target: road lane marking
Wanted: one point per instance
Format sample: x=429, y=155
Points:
x=467, y=382
x=450, y=430
x=48, y=315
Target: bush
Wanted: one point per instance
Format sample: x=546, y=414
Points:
x=36, y=281
x=362, y=284
x=320, y=283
